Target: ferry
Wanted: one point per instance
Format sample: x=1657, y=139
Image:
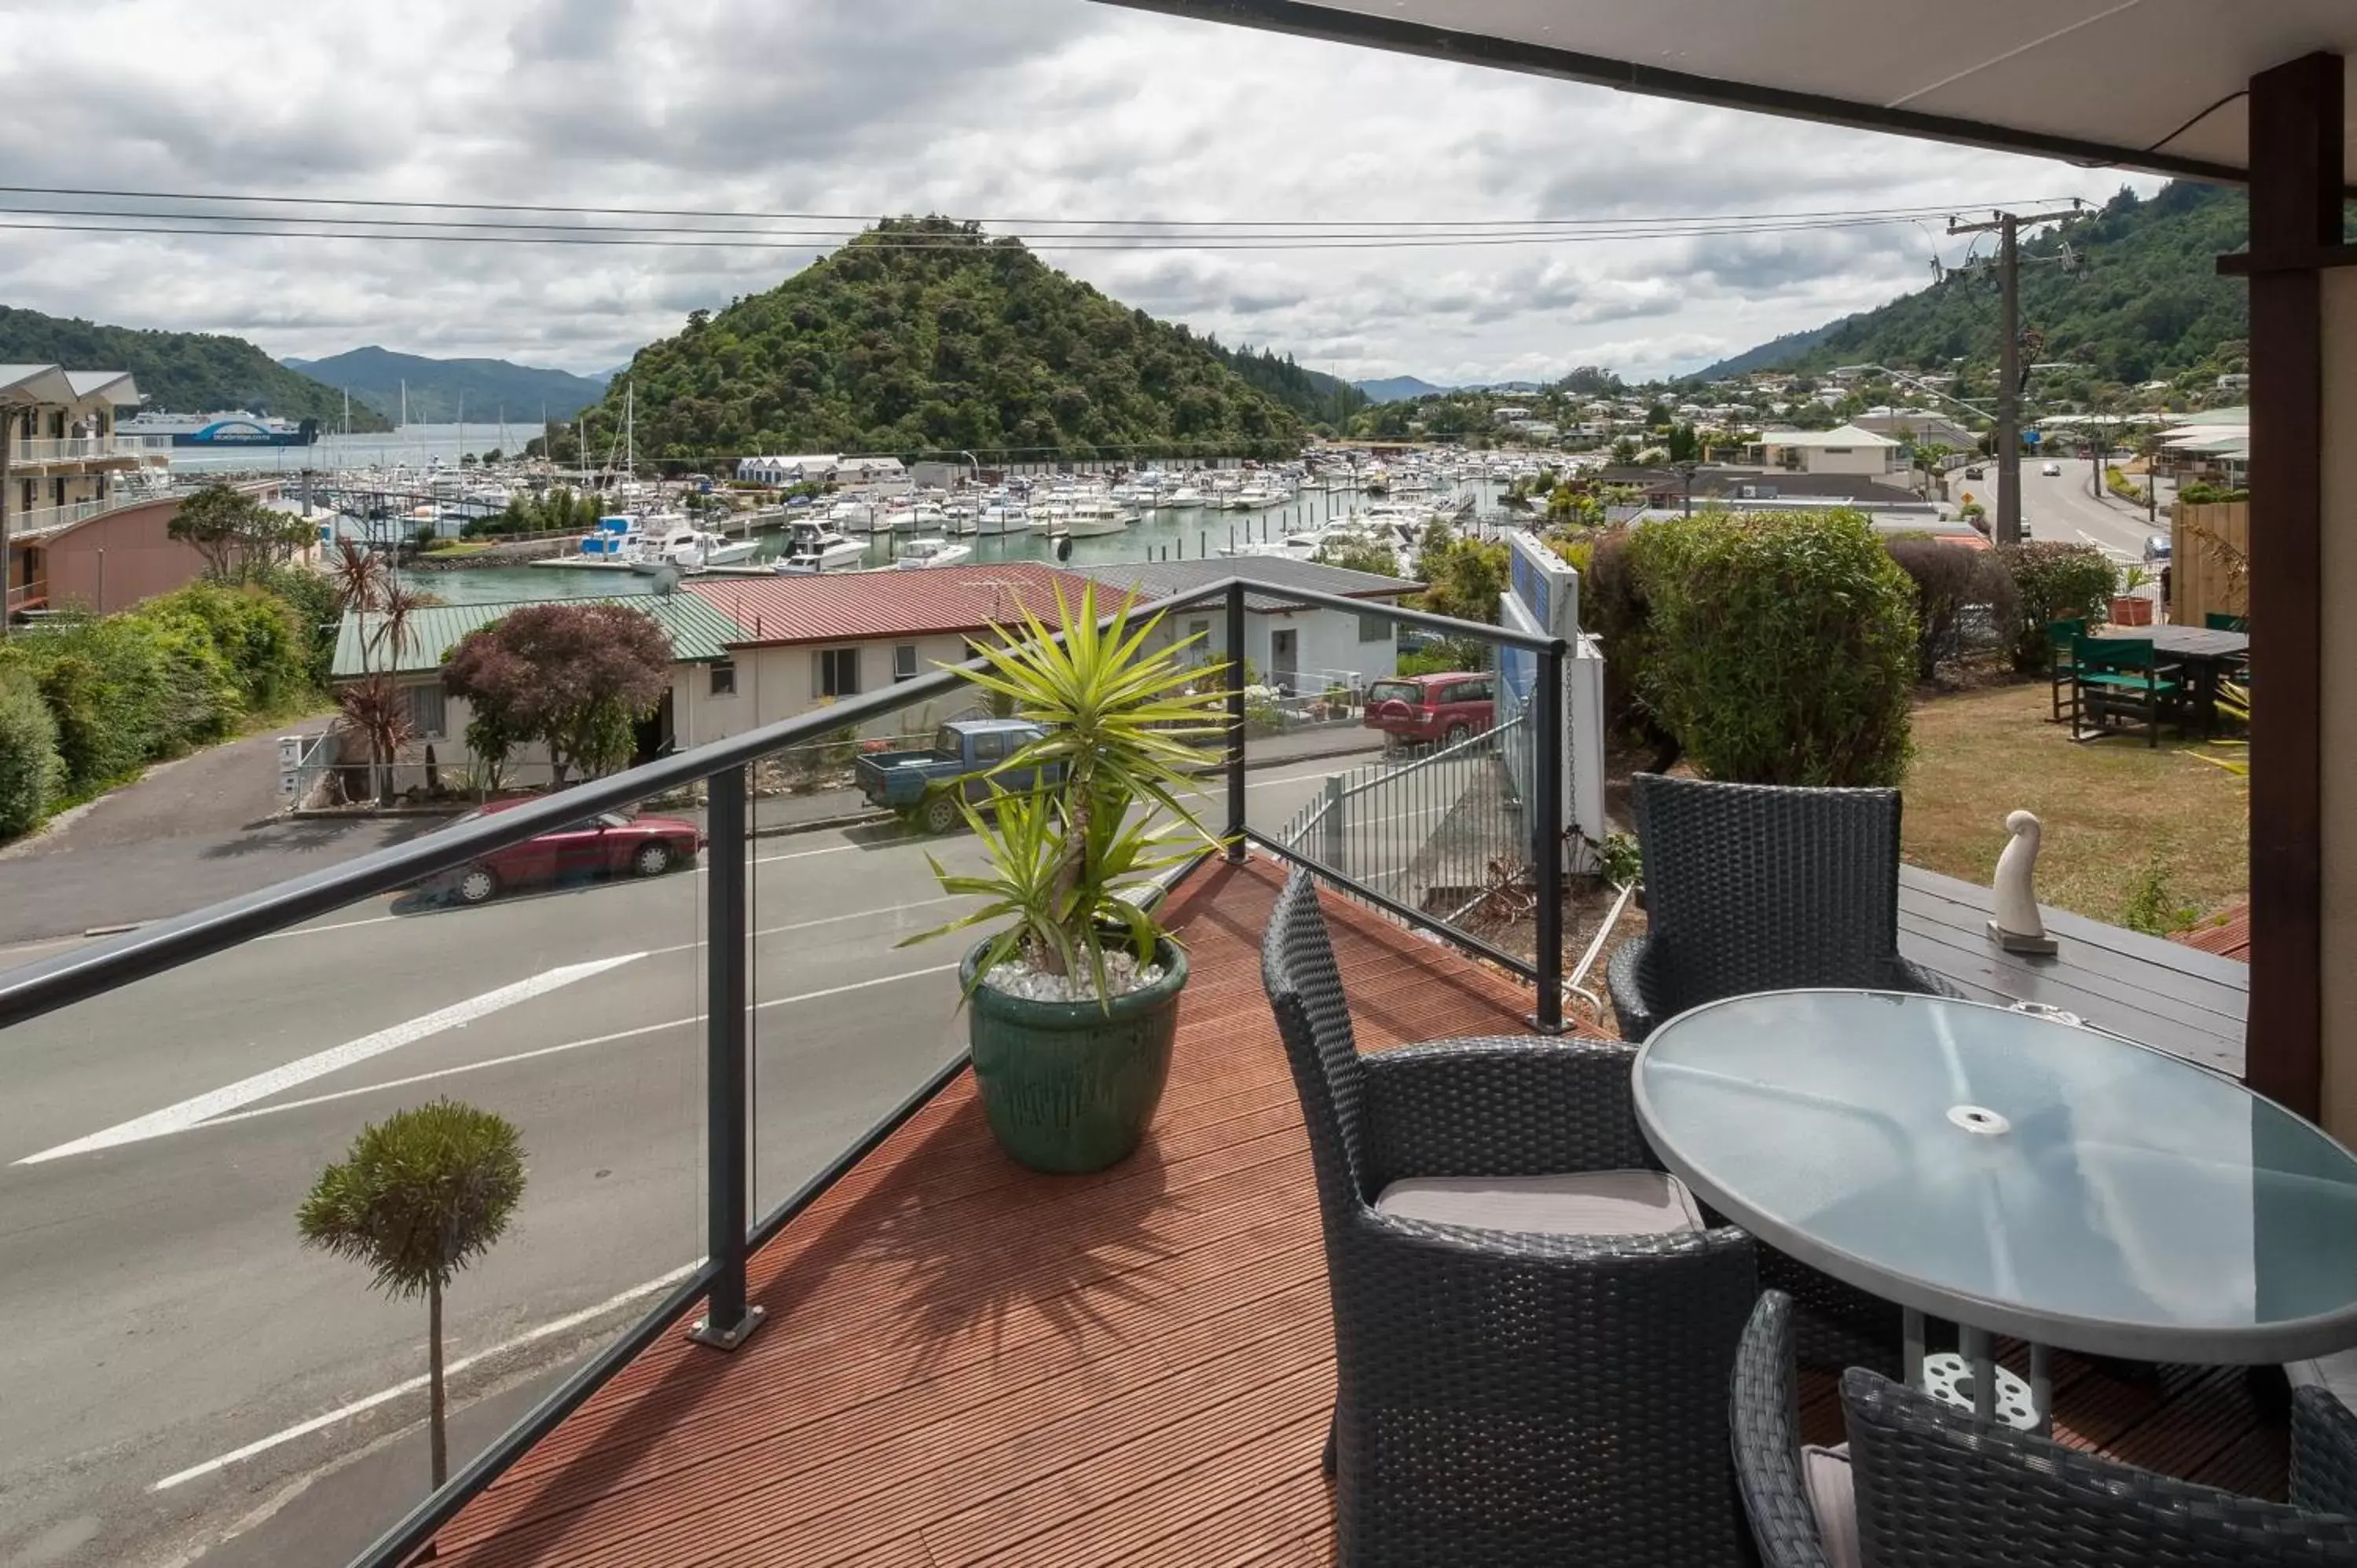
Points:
x=239, y=427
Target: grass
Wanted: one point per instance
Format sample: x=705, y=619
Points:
x=2131, y=834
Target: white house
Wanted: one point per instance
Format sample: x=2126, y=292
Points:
x=885, y=476
x=790, y=470
x=1290, y=642
x=1846, y=449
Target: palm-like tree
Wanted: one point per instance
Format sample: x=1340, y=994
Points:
x=420, y=1196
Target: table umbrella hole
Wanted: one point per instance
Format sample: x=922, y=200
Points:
x=1979, y=1119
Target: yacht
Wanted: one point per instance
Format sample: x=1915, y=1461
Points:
x=920, y=554
x=614, y=541
x=1094, y=515
x=689, y=549
x=1001, y=515
x=1185, y=496
x=853, y=515
x=809, y=547
x=923, y=517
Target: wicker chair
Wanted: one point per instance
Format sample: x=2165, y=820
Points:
x=1762, y=888
x=1933, y=1487
x=1503, y=1396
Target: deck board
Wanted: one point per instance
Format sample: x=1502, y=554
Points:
x=966, y=1363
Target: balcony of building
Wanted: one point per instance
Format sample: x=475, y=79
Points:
x=87, y=453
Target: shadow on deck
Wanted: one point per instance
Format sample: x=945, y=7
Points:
x=966, y=1363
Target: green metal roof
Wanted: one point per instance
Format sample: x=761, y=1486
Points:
x=698, y=630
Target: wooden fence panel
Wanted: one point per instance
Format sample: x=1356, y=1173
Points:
x=2208, y=548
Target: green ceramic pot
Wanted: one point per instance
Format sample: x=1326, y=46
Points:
x=1069, y=1086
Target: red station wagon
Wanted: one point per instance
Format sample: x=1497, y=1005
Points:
x=611, y=843
x=1421, y=708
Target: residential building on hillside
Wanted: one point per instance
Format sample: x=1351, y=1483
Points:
x=1301, y=646
x=1920, y=425
x=62, y=461
x=1845, y=450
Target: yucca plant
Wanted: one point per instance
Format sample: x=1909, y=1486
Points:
x=2234, y=702
x=1065, y=845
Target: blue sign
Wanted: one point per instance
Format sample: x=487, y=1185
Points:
x=2030, y=437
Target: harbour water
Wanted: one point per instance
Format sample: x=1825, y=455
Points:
x=410, y=446
x=1179, y=533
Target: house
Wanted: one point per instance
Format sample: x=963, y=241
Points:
x=1845, y=450
x=885, y=476
x=1922, y=425
x=1289, y=642
x=61, y=463
x=700, y=635
x=787, y=470
x=800, y=642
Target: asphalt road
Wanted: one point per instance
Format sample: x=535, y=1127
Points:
x=2067, y=509
x=174, y=1367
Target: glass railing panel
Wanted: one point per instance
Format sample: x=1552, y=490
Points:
x=177, y=1367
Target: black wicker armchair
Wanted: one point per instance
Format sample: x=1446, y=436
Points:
x=1760, y=887
x=1507, y=1392
x=1933, y=1487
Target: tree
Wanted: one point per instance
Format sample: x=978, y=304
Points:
x=30, y=770
x=1463, y=577
x=1361, y=555
x=576, y=677
x=234, y=532
x=1624, y=452
x=420, y=1196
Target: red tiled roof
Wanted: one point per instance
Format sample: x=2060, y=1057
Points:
x=853, y=606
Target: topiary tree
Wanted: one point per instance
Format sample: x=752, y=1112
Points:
x=1781, y=646
x=2054, y=580
x=420, y=1196
x=30, y=771
x=1956, y=588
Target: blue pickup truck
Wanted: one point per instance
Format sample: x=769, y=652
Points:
x=924, y=786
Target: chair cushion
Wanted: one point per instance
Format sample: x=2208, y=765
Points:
x=1824, y=1472
x=1577, y=1203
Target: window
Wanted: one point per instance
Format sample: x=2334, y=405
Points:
x=426, y=710
x=1844, y=451
x=1374, y=627
x=904, y=662
x=837, y=673
x=724, y=677
x=989, y=747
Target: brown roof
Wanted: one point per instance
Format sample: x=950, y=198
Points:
x=2228, y=936
x=859, y=606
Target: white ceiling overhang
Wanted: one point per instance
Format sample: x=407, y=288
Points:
x=2139, y=84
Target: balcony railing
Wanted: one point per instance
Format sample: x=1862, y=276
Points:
x=699, y=978
x=46, y=450
x=30, y=593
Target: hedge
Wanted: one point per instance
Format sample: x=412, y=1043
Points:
x=2053, y=582
x=1958, y=590
x=1781, y=647
x=31, y=772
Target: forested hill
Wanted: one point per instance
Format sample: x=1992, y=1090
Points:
x=185, y=373
x=439, y=390
x=1320, y=399
x=926, y=336
x=2148, y=303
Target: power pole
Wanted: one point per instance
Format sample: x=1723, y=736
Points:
x=2007, y=227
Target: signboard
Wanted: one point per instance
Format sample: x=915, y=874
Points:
x=1543, y=599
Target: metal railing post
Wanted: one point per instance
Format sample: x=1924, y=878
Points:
x=1546, y=836
x=727, y=1319
x=1236, y=721
x=1333, y=847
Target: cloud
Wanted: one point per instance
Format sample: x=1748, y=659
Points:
x=1028, y=113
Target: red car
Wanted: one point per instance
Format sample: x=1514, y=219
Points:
x=1422, y=708
x=611, y=843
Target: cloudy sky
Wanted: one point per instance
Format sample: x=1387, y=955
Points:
x=1017, y=112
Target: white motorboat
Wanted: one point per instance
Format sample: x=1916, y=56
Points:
x=923, y=517
x=919, y=554
x=1184, y=496
x=1092, y=517
x=1001, y=515
x=689, y=549
x=811, y=548
x=852, y=515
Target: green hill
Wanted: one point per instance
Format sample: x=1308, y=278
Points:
x=184, y=372
x=1317, y=397
x=2143, y=302
x=926, y=336
x=439, y=388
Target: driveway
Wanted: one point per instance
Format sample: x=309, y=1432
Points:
x=188, y=833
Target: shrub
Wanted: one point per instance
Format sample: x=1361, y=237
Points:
x=315, y=614
x=103, y=681
x=2053, y=581
x=2153, y=906
x=255, y=633
x=1958, y=592
x=31, y=772
x=1781, y=647
x=1613, y=605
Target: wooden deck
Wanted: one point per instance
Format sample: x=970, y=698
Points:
x=968, y=1364
x=2185, y=1001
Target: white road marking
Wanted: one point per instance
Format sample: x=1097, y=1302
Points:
x=563, y=1049
x=345, y=1412
x=191, y=1112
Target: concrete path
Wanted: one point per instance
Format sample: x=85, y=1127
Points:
x=189, y=834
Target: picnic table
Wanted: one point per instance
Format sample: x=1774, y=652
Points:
x=2207, y=656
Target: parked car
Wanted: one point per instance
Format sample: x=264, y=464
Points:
x=1976, y=472
x=1417, y=709
x=2157, y=549
x=917, y=784
x=611, y=843
x=2051, y=470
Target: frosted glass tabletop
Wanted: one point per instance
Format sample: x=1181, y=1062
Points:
x=2012, y=1173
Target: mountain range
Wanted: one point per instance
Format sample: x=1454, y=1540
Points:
x=438, y=390
x=181, y=372
x=1398, y=389
x=928, y=336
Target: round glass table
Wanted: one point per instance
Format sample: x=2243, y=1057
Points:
x=2012, y=1174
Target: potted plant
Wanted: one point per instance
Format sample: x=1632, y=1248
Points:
x=2129, y=607
x=1071, y=1007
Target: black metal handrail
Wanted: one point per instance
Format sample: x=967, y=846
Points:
x=33, y=990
